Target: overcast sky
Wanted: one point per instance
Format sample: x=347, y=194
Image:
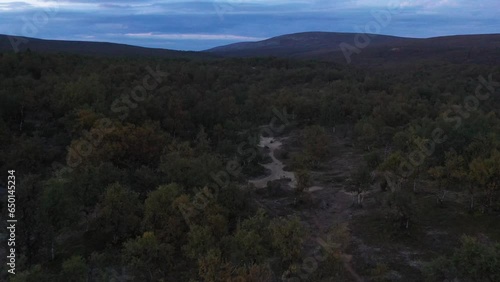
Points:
x=187, y=25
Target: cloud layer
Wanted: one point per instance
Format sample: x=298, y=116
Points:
x=190, y=25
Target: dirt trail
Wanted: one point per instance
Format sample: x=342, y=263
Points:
x=276, y=167
x=335, y=205
x=332, y=204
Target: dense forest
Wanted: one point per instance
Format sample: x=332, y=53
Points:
x=137, y=169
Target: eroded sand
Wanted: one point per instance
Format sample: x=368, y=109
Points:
x=276, y=166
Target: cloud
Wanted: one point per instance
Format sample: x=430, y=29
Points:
x=429, y=3
x=27, y=5
x=201, y=24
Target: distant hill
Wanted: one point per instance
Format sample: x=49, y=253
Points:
x=381, y=50
x=93, y=48
x=297, y=44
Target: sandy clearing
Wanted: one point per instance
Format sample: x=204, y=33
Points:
x=276, y=166
x=315, y=188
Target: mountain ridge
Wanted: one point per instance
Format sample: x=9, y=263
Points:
x=332, y=46
x=91, y=48
x=362, y=49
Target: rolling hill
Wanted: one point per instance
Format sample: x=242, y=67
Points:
x=381, y=49
x=92, y=48
x=297, y=45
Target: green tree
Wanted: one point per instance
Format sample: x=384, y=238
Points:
x=453, y=173
x=58, y=208
x=473, y=261
x=485, y=172
x=396, y=170
x=181, y=165
x=148, y=258
x=213, y=268
x=287, y=236
x=32, y=233
x=74, y=269
x=88, y=183
x=120, y=212
x=402, y=208
x=360, y=179
x=34, y=274
x=200, y=241
x=316, y=142
x=162, y=216
x=249, y=243
x=303, y=179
